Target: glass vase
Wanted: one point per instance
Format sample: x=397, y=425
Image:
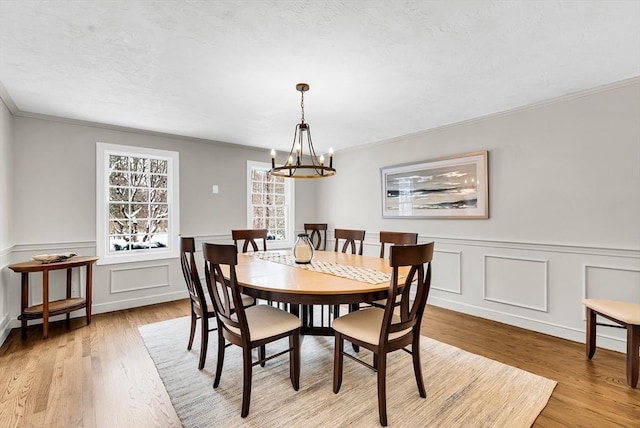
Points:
x=303, y=249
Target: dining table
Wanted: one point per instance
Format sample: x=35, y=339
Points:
x=331, y=279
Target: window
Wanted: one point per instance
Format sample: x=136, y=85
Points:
x=137, y=212
x=270, y=204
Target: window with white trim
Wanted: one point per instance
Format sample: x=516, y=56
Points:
x=137, y=210
x=270, y=202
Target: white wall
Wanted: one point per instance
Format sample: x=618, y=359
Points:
x=6, y=240
x=564, y=191
x=54, y=202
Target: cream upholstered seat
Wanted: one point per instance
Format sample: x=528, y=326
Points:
x=366, y=324
x=386, y=330
x=249, y=328
x=265, y=321
x=627, y=314
x=201, y=306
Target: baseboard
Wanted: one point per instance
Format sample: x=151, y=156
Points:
x=9, y=324
x=101, y=308
x=563, y=332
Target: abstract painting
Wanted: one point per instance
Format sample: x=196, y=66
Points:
x=452, y=187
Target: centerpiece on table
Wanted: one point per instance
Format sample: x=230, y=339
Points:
x=303, y=249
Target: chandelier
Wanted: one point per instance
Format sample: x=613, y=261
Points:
x=295, y=166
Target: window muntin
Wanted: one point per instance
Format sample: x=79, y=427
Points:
x=137, y=214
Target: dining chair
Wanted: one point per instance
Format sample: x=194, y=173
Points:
x=383, y=330
x=350, y=237
x=249, y=236
x=201, y=306
x=248, y=328
x=394, y=238
x=318, y=235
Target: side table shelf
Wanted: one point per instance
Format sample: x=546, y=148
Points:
x=56, y=307
x=47, y=308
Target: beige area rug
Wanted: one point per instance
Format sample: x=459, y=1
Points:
x=463, y=389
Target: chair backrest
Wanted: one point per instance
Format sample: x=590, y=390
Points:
x=225, y=294
x=350, y=236
x=190, y=273
x=396, y=238
x=317, y=238
x=249, y=236
x=411, y=310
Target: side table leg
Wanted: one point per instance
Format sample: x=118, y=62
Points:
x=24, y=304
x=88, y=291
x=45, y=304
x=69, y=296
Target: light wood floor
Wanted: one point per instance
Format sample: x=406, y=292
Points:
x=102, y=376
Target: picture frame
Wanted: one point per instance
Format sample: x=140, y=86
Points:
x=455, y=187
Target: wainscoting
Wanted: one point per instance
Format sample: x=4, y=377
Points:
x=529, y=285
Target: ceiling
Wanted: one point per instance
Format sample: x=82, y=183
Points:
x=226, y=70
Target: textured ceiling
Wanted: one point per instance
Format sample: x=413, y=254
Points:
x=226, y=70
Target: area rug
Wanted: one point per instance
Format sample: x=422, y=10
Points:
x=463, y=389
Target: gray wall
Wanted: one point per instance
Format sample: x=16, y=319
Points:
x=564, y=180
x=564, y=191
x=53, y=208
x=6, y=240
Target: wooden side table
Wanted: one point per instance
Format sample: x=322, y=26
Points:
x=57, y=307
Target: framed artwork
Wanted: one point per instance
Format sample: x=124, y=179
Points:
x=452, y=187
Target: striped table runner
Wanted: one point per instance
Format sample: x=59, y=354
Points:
x=370, y=276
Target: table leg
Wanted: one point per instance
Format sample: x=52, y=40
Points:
x=25, y=303
x=88, y=291
x=45, y=304
x=69, y=296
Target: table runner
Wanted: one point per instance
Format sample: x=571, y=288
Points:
x=370, y=276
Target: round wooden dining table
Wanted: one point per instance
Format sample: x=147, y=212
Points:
x=300, y=287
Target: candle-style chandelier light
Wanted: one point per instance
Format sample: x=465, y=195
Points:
x=295, y=165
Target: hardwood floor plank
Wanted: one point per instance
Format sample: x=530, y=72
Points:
x=102, y=376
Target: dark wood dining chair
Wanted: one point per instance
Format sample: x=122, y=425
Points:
x=200, y=310
x=393, y=238
x=250, y=237
x=383, y=330
x=320, y=316
x=396, y=238
x=201, y=307
x=350, y=237
x=318, y=235
x=248, y=328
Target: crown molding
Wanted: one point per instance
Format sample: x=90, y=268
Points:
x=7, y=100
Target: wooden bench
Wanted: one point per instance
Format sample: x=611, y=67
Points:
x=626, y=314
